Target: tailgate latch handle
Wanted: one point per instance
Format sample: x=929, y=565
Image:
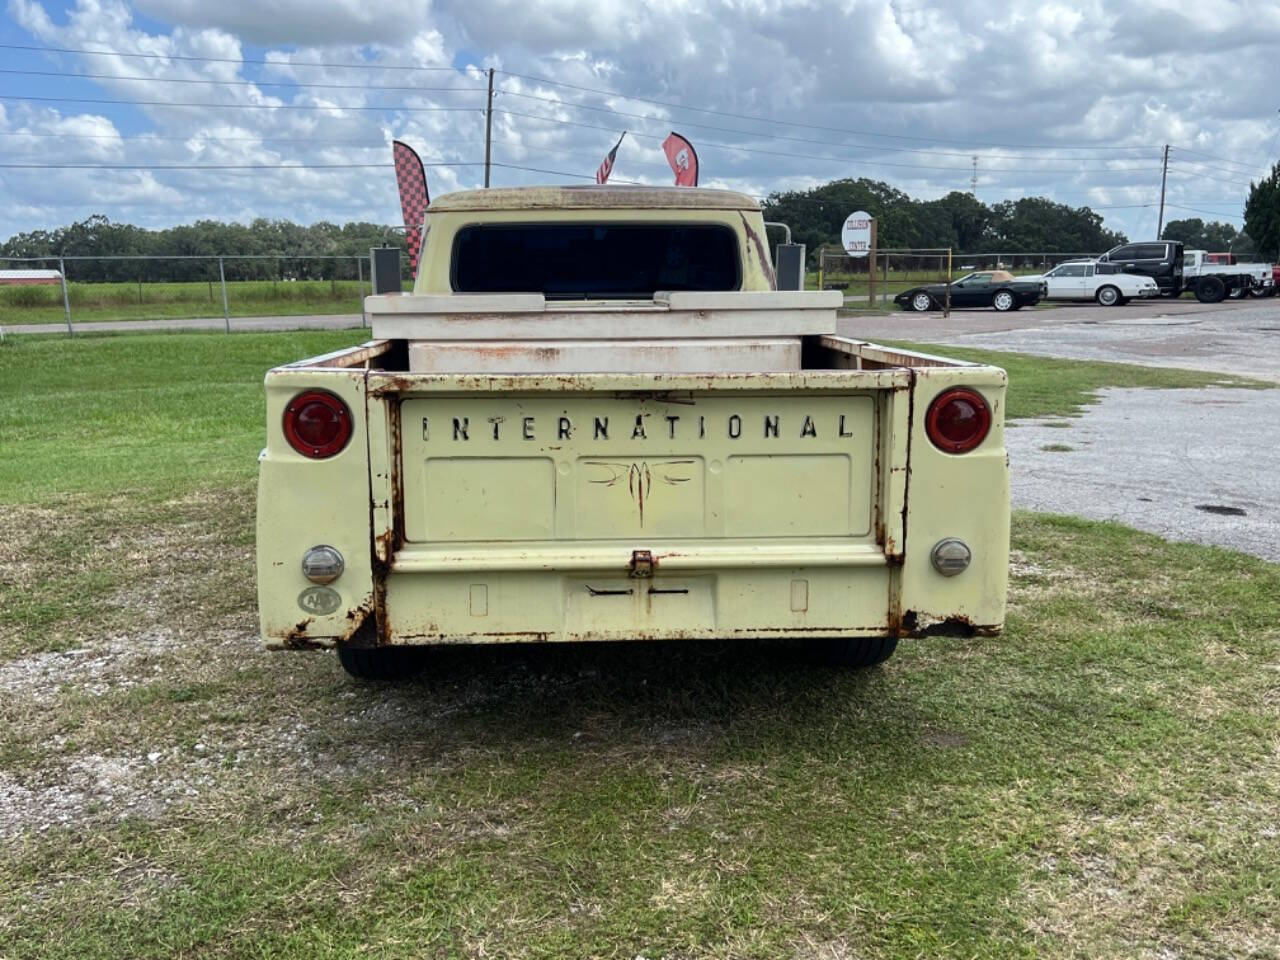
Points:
x=641, y=564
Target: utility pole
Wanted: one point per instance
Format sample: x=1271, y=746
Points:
x=973, y=184
x=488, y=130
x=1164, y=175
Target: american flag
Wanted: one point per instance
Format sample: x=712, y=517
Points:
x=606, y=168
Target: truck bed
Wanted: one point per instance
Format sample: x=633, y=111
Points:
x=507, y=507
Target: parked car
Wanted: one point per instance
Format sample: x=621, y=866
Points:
x=1090, y=280
x=987, y=288
x=1160, y=260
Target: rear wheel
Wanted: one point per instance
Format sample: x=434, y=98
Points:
x=382, y=663
x=1108, y=296
x=920, y=302
x=1004, y=301
x=1210, y=290
x=1239, y=293
x=855, y=652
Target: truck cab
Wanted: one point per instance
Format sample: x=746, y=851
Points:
x=594, y=418
x=1161, y=260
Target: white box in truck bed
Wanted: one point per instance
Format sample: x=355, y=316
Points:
x=674, y=332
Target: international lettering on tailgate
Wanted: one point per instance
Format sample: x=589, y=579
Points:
x=539, y=469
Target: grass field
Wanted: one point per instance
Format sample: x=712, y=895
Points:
x=1102, y=780
x=252, y=298
x=156, y=301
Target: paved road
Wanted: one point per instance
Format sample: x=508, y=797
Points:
x=1231, y=337
x=337, y=321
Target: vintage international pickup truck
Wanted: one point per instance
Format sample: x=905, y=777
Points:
x=594, y=418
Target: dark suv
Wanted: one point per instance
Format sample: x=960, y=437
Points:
x=1160, y=260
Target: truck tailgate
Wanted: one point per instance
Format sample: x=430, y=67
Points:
x=585, y=507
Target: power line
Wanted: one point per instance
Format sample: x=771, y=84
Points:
x=144, y=138
x=1201, y=175
x=239, y=106
x=1210, y=156
x=772, y=136
x=1213, y=213
x=870, y=161
x=241, y=83
x=557, y=173
x=788, y=123
x=213, y=166
x=190, y=57
x=287, y=167
x=369, y=144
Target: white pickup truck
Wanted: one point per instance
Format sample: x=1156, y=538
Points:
x=1201, y=268
x=1091, y=280
x=596, y=419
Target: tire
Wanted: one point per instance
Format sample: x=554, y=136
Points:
x=382, y=663
x=920, y=302
x=1003, y=301
x=854, y=652
x=1109, y=296
x=1259, y=292
x=1239, y=293
x=1210, y=290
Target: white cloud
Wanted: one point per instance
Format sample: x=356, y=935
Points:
x=948, y=79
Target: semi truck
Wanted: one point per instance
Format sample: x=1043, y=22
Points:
x=595, y=419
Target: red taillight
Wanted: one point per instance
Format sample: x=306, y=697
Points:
x=317, y=424
x=958, y=420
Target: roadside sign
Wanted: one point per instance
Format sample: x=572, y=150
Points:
x=855, y=236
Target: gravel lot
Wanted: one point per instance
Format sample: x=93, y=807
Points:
x=1196, y=465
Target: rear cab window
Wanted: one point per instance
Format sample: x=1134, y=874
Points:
x=1128, y=252
x=595, y=261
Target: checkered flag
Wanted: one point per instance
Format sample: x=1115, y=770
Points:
x=412, y=181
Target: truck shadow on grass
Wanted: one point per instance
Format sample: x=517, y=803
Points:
x=640, y=695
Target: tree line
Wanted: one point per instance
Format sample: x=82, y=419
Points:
x=294, y=249
x=958, y=220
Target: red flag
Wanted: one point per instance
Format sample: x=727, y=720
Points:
x=412, y=181
x=606, y=168
x=683, y=159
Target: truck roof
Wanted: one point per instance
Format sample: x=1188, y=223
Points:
x=592, y=197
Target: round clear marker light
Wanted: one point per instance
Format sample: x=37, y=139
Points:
x=951, y=556
x=322, y=564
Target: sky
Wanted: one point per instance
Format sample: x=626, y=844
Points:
x=297, y=101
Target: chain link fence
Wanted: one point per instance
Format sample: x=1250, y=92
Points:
x=876, y=279
x=186, y=287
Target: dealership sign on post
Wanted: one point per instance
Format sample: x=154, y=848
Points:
x=856, y=234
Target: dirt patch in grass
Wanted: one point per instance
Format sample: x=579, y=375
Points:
x=1102, y=780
